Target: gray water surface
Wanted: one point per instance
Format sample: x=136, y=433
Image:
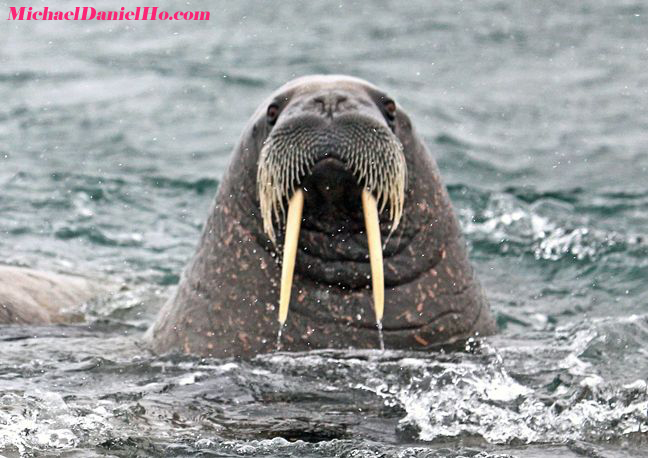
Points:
x=114, y=136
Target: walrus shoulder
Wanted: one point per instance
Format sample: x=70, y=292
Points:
x=29, y=296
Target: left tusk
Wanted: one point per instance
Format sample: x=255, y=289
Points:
x=293, y=222
x=372, y=225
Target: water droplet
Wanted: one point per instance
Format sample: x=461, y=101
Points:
x=279, y=337
x=380, y=335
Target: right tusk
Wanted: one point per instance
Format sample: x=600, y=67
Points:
x=372, y=225
x=293, y=222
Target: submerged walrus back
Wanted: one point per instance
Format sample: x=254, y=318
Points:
x=30, y=296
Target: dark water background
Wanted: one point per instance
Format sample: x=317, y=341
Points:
x=113, y=137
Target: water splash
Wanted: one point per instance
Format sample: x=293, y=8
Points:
x=518, y=394
x=546, y=230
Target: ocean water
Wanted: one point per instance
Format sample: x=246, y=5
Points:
x=113, y=139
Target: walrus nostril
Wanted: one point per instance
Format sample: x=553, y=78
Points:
x=330, y=104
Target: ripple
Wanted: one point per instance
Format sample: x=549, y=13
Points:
x=99, y=237
x=200, y=185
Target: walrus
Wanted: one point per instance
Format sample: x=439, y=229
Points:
x=29, y=296
x=330, y=223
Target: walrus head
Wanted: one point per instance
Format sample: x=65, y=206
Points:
x=332, y=196
x=336, y=146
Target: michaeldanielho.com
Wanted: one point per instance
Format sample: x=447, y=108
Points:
x=88, y=13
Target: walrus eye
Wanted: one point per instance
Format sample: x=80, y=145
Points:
x=390, y=109
x=272, y=113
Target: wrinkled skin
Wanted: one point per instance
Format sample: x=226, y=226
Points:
x=226, y=302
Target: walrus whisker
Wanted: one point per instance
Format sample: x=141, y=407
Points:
x=286, y=158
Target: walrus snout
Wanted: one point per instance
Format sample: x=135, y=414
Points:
x=366, y=148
